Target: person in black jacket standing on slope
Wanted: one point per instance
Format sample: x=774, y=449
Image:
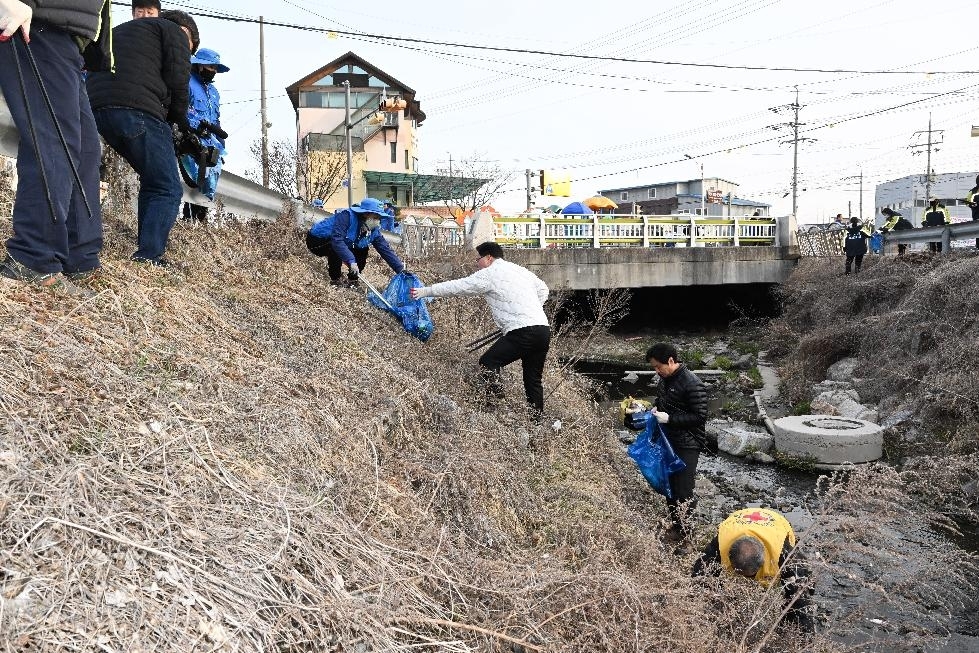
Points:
x=855, y=244
x=681, y=408
x=134, y=108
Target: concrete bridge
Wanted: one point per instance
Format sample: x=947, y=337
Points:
x=633, y=267
x=600, y=252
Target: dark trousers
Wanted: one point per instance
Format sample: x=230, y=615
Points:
x=195, y=212
x=529, y=345
x=935, y=247
x=334, y=264
x=903, y=249
x=850, y=260
x=146, y=143
x=682, y=486
x=71, y=240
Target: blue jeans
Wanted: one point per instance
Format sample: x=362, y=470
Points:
x=146, y=142
x=69, y=240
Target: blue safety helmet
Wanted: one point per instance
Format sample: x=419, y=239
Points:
x=208, y=57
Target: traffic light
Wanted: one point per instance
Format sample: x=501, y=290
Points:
x=555, y=184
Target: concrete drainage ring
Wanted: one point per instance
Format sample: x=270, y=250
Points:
x=829, y=440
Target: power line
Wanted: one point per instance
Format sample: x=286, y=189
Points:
x=565, y=55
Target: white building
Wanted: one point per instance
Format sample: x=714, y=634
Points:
x=907, y=195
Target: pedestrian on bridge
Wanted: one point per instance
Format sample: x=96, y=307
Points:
x=515, y=296
x=760, y=544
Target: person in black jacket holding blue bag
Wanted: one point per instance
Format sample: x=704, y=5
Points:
x=681, y=409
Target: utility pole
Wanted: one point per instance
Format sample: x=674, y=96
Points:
x=347, y=128
x=795, y=140
x=927, y=147
x=265, y=116
x=530, y=198
x=861, y=195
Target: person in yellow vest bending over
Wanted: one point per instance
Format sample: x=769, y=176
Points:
x=760, y=544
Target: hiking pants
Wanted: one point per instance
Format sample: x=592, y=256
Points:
x=682, y=486
x=850, y=260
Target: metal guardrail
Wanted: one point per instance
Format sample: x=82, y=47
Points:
x=945, y=235
x=237, y=196
x=829, y=242
x=632, y=231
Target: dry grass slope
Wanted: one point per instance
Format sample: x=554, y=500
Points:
x=235, y=456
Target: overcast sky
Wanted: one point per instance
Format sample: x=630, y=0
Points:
x=613, y=124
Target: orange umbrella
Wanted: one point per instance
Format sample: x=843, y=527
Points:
x=599, y=202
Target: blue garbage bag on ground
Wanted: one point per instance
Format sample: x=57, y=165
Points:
x=655, y=457
x=413, y=313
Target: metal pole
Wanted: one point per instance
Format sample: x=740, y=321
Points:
x=347, y=127
x=795, y=153
x=527, y=176
x=265, y=117
x=703, y=193
x=928, y=164
x=861, y=195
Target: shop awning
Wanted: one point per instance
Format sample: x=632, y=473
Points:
x=425, y=188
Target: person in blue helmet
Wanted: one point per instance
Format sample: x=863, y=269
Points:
x=389, y=219
x=205, y=106
x=344, y=239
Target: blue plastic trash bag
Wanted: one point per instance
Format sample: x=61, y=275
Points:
x=413, y=313
x=877, y=243
x=655, y=458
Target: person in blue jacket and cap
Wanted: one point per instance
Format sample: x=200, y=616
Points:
x=389, y=219
x=205, y=105
x=344, y=239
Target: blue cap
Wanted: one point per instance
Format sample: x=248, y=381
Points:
x=318, y=203
x=208, y=57
x=368, y=205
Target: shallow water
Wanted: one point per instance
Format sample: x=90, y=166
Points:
x=863, y=602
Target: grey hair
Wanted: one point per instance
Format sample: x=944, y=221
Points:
x=747, y=555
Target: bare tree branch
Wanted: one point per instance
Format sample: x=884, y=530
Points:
x=304, y=172
x=462, y=196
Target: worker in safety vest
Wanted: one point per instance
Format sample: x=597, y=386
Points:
x=760, y=544
x=936, y=215
x=972, y=200
x=895, y=222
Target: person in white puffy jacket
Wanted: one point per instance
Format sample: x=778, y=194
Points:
x=515, y=296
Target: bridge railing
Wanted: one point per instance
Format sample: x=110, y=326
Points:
x=632, y=231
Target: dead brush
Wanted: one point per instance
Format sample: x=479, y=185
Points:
x=232, y=455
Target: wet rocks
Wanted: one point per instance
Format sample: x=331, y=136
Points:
x=741, y=439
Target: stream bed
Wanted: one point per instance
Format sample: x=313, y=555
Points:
x=874, y=588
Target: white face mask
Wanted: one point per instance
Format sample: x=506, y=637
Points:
x=372, y=223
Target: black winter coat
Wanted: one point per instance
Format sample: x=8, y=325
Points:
x=683, y=397
x=855, y=241
x=152, y=75
x=77, y=17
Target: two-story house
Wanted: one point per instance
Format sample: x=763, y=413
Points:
x=384, y=146
x=685, y=197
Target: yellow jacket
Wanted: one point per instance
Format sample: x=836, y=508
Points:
x=768, y=526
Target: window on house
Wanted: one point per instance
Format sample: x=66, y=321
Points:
x=394, y=152
x=624, y=196
x=414, y=164
x=651, y=194
x=698, y=212
x=407, y=161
